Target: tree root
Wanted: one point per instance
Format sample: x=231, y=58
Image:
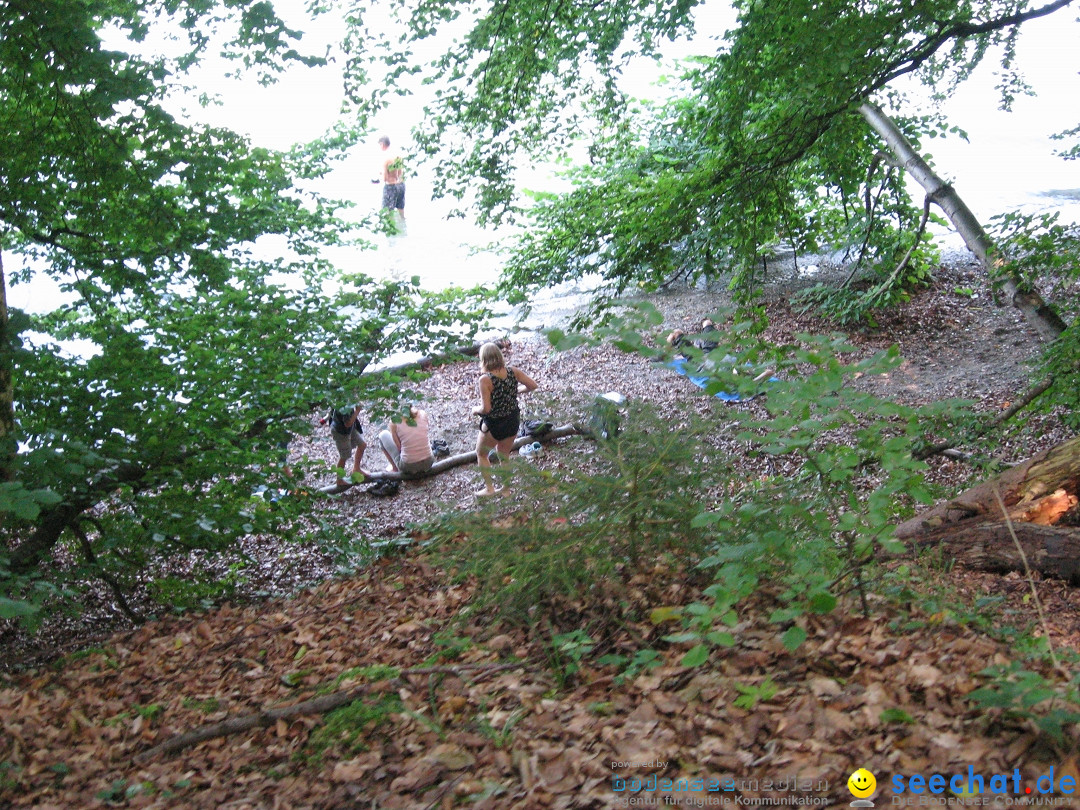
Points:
x=319, y=705
x=1026, y=399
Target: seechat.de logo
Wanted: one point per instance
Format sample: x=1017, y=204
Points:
x=862, y=785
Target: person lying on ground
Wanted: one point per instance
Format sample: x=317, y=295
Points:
x=498, y=410
x=706, y=340
x=405, y=444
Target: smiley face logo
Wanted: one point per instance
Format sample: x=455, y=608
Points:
x=862, y=783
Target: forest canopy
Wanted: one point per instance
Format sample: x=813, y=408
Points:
x=139, y=413
x=791, y=129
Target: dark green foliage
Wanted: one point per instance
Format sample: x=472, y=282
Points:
x=1051, y=704
x=199, y=347
x=625, y=506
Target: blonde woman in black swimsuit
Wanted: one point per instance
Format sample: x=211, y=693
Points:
x=498, y=409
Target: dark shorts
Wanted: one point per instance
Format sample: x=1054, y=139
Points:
x=501, y=427
x=393, y=195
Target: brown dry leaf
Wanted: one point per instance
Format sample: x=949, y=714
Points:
x=924, y=675
x=824, y=687
x=419, y=774
x=353, y=770
x=452, y=757
x=408, y=628
x=666, y=703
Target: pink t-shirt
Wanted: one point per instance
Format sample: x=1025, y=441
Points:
x=414, y=439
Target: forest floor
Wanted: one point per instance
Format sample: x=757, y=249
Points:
x=478, y=713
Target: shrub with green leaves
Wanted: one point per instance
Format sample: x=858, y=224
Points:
x=851, y=473
x=1045, y=252
x=848, y=474
x=1051, y=705
x=624, y=505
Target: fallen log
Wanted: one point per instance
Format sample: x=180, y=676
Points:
x=1040, y=497
x=1053, y=551
x=444, y=464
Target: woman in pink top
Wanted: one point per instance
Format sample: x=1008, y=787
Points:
x=406, y=446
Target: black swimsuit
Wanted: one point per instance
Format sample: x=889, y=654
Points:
x=503, y=420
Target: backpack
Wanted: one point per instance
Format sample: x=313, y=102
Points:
x=605, y=419
x=535, y=427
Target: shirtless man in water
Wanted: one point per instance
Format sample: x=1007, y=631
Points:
x=393, y=179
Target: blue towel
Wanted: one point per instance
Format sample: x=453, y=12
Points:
x=679, y=365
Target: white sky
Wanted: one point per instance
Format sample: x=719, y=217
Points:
x=1011, y=153
x=1008, y=153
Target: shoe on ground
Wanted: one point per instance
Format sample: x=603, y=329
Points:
x=382, y=489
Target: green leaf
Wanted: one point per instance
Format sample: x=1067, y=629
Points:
x=12, y=609
x=822, y=602
x=895, y=715
x=720, y=639
x=703, y=519
x=681, y=638
x=793, y=637
x=696, y=656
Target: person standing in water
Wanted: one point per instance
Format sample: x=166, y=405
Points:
x=498, y=410
x=393, y=179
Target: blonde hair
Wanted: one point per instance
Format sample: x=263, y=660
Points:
x=491, y=358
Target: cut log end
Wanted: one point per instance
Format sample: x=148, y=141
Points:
x=1041, y=523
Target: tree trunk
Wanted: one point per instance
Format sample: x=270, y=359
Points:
x=1037, y=312
x=1041, y=498
x=7, y=391
x=52, y=522
x=452, y=355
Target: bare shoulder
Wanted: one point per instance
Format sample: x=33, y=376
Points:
x=521, y=375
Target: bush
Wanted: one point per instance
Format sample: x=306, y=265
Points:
x=629, y=501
